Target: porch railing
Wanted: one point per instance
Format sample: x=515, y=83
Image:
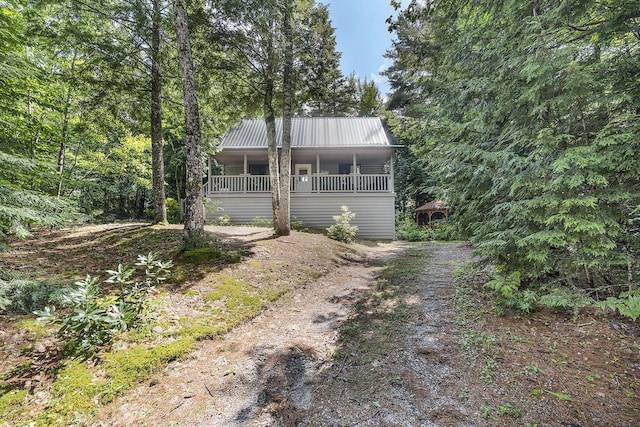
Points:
x=373, y=183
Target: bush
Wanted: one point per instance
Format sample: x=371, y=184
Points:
x=260, y=221
x=174, y=214
x=223, y=220
x=92, y=318
x=508, y=294
x=342, y=230
x=21, y=295
x=408, y=230
x=627, y=304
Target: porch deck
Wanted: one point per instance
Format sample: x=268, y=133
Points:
x=361, y=183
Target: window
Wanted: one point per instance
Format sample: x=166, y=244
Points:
x=258, y=169
x=347, y=168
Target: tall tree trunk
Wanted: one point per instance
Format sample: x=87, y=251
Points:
x=272, y=143
x=193, y=235
x=283, y=227
x=62, y=151
x=157, y=150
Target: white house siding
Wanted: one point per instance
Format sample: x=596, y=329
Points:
x=375, y=213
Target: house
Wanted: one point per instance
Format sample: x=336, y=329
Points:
x=334, y=162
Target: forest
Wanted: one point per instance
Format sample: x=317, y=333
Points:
x=92, y=111
x=524, y=115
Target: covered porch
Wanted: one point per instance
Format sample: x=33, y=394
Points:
x=313, y=171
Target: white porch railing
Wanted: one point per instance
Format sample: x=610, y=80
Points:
x=301, y=184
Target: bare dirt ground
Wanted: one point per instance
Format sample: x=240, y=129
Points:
x=369, y=334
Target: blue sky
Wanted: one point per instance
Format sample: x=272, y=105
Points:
x=362, y=36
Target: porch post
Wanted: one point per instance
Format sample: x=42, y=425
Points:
x=244, y=175
x=355, y=173
x=317, y=172
x=392, y=187
x=209, y=174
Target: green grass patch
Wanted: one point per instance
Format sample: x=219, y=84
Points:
x=11, y=404
x=73, y=396
x=78, y=390
x=127, y=368
x=239, y=297
x=35, y=330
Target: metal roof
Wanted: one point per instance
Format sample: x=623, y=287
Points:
x=311, y=132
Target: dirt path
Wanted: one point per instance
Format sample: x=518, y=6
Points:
x=283, y=368
x=408, y=377
x=261, y=367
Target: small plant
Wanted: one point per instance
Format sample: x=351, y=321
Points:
x=92, y=318
x=260, y=221
x=508, y=293
x=627, y=304
x=565, y=299
x=21, y=295
x=223, y=220
x=342, y=230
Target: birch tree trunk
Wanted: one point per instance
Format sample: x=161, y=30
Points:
x=193, y=235
x=157, y=150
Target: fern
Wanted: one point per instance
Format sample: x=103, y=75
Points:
x=627, y=304
x=565, y=299
x=508, y=294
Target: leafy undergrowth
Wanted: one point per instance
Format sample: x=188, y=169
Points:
x=579, y=368
x=210, y=292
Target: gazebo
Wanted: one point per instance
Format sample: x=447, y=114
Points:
x=432, y=211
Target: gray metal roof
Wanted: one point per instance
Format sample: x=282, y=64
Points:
x=311, y=132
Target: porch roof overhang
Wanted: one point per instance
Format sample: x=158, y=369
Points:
x=300, y=154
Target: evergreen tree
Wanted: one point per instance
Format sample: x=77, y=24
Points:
x=523, y=111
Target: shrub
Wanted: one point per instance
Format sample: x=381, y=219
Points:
x=174, y=216
x=92, y=318
x=408, y=230
x=508, y=294
x=342, y=230
x=627, y=304
x=223, y=220
x=565, y=299
x=260, y=221
x=21, y=295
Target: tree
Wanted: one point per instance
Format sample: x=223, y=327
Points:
x=194, y=202
x=157, y=152
x=263, y=41
x=522, y=111
x=370, y=99
x=283, y=226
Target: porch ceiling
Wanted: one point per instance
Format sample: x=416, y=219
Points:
x=371, y=156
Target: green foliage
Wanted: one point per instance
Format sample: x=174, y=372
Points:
x=223, y=220
x=627, y=304
x=260, y=221
x=126, y=368
x=407, y=229
x=297, y=224
x=22, y=296
x=10, y=404
x=562, y=298
x=92, y=318
x=173, y=211
x=342, y=230
x=527, y=120
x=508, y=294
